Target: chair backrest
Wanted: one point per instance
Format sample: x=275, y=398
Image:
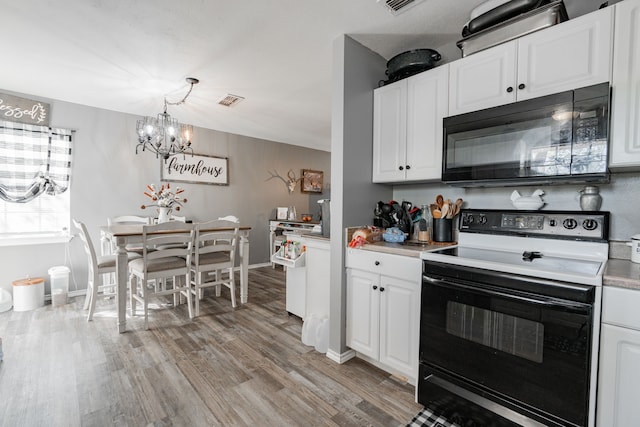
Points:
x=231, y=218
x=129, y=219
x=176, y=236
x=88, y=245
x=216, y=236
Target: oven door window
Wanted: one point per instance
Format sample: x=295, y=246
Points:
x=507, y=333
x=529, y=351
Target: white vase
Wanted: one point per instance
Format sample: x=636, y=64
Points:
x=164, y=214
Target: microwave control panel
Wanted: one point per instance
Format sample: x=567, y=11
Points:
x=573, y=225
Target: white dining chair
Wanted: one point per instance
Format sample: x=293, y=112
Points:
x=214, y=259
x=150, y=273
x=99, y=266
x=125, y=220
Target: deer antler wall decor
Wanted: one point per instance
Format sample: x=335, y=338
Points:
x=290, y=182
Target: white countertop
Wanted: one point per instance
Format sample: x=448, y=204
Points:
x=622, y=273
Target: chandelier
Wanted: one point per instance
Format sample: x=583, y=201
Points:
x=163, y=135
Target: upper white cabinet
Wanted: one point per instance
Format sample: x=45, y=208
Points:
x=407, y=133
x=482, y=80
x=625, y=104
x=619, y=363
x=570, y=55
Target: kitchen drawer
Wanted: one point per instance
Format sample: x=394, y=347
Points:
x=620, y=307
x=401, y=267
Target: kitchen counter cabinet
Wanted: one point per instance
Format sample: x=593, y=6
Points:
x=383, y=310
x=308, y=277
x=407, y=133
x=318, y=275
x=619, y=364
x=625, y=101
x=570, y=55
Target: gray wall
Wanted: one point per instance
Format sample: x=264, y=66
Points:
x=356, y=72
x=109, y=179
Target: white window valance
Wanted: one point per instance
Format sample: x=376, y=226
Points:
x=33, y=160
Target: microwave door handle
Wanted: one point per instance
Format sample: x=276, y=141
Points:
x=479, y=288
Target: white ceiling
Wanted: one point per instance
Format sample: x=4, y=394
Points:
x=126, y=55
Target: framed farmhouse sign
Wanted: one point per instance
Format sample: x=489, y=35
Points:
x=23, y=110
x=196, y=169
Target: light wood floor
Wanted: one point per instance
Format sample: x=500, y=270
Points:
x=240, y=367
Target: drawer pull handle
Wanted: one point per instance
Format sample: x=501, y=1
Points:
x=375, y=287
x=377, y=263
x=381, y=289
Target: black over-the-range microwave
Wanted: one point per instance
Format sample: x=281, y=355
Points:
x=555, y=138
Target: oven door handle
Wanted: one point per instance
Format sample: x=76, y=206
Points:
x=484, y=290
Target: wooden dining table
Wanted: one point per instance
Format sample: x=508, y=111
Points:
x=125, y=234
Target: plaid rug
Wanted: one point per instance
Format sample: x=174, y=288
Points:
x=426, y=418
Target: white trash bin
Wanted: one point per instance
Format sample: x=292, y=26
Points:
x=28, y=294
x=59, y=285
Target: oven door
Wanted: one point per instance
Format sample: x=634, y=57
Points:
x=489, y=334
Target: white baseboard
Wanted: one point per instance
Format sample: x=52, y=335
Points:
x=341, y=358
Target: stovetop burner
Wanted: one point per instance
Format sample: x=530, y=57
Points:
x=562, y=245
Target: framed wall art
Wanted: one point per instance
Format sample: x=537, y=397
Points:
x=196, y=169
x=312, y=181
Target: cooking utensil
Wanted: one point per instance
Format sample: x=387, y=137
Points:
x=412, y=62
x=439, y=200
x=444, y=211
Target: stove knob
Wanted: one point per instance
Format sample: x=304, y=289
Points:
x=552, y=222
x=570, y=223
x=469, y=219
x=483, y=219
x=590, y=224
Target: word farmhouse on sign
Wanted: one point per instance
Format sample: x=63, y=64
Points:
x=196, y=169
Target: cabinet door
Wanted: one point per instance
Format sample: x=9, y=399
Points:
x=362, y=312
x=618, y=377
x=318, y=277
x=482, y=80
x=389, y=132
x=427, y=105
x=399, y=324
x=570, y=55
x=625, y=104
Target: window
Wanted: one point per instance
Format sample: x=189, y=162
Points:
x=35, y=169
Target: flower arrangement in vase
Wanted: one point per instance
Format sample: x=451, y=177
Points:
x=165, y=200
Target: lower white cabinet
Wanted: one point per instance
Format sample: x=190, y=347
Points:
x=619, y=364
x=383, y=309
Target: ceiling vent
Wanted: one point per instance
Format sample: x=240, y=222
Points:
x=229, y=100
x=398, y=6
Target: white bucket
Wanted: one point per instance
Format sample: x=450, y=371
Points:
x=28, y=294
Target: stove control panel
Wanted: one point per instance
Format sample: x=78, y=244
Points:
x=573, y=225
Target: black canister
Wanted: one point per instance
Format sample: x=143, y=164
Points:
x=442, y=230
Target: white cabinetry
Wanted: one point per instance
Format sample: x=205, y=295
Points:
x=407, y=134
x=570, y=55
x=318, y=276
x=619, y=364
x=383, y=309
x=625, y=106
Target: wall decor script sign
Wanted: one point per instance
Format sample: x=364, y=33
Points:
x=196, y=169
x=22, y=110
